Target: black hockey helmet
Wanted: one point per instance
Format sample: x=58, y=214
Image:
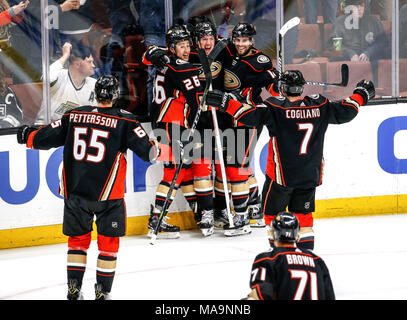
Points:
x=193, y=21
x=177, y=33
x=292, y=82
x=243, y=29
x=285, y=227
x=107, y=88
x=203, y=29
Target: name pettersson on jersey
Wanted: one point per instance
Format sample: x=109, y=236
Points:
x=94, y=119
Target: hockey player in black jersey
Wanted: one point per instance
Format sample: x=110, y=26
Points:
x=286, y=272
x=297, y=129
x=247, y=71
x=177, y=92
x=95, y=140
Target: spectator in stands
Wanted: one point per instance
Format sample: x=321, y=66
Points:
x=363, y=36
x=11, y=113
x=403, y=31
x=71, y=87
x=75, y=20
x=26, y=42
x=311, y=10
x=7, y=13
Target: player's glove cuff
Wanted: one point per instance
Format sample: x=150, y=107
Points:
x=366, y=89
x=218, y=99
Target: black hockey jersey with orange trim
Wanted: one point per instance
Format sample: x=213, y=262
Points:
x=288, y=273
x=95, y=142
x=177, y=93
x=217, y=71
x=248, y=74
x=297, y=131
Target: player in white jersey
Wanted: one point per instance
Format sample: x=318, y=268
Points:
x=71, y=87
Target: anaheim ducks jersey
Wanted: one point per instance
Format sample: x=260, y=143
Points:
x=288, y=273
x=248, y=74
x=95, y=142
x=297, y=130
x=205, y=120
x=177, y=93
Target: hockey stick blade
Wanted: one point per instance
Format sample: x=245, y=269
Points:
x=284, y=29
x=289, y=25
x=344, y=82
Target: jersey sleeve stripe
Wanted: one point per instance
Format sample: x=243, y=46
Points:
x=110, y=180
x=30, y=140
x=258, y=291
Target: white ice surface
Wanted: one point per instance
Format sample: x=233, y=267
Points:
x=366, y=256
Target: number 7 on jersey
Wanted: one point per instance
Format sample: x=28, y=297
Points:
x=308, y=128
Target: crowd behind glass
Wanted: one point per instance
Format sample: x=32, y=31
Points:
x=116, y=33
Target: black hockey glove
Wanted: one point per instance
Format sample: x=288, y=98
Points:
x=158, y=57
x=220, y=100
x=366, y=89
x=23, y=132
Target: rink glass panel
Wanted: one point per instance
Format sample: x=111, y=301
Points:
x=118, y=32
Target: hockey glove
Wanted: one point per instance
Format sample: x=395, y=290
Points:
x=366, y=89
x=23, y=132
x=158, y=57
x=219, y=99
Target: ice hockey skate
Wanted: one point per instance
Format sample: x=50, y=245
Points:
x=74, y=291
x=241, y=226
x=100, y=294
x=206, y=223
x=166, y=230
x=221, y=218
x=256, y=216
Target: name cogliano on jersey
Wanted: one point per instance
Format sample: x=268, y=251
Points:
x=302, y=113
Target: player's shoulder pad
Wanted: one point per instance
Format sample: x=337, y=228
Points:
x=274, y=101
x=179, y=65
x=265, y=254
x=315, y=98
x=125, y=112
x=258, y=60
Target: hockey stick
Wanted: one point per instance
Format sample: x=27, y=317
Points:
x=206, y=66
x=284, y=29
x=166, y=205
x=343, y=83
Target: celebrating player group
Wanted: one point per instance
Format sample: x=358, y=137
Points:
x=208, y=112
